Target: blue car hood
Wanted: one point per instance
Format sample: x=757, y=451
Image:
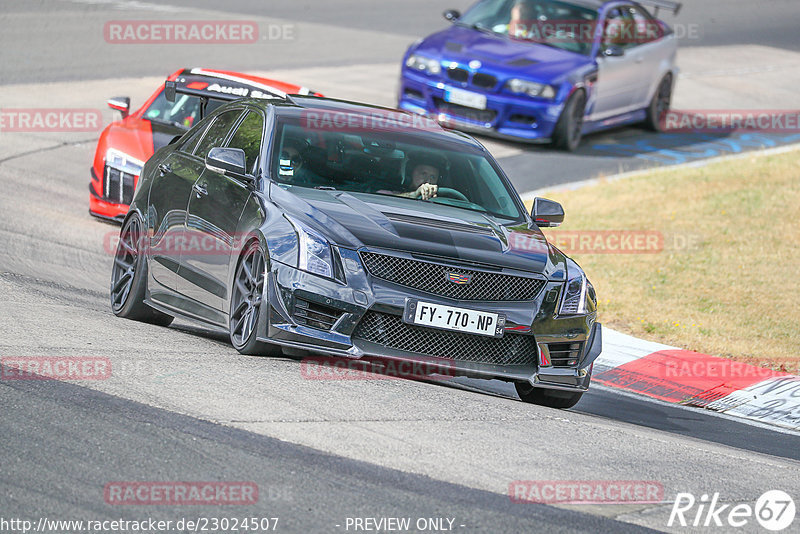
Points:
x=540, y=62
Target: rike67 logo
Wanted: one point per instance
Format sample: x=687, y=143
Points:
x=774, y=510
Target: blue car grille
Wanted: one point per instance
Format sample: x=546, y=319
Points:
x=476, y=115
x=479, y=79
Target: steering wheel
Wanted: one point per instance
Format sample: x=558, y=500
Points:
x=448, y=192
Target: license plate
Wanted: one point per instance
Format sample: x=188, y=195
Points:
x=465, y=98
x=422, y=313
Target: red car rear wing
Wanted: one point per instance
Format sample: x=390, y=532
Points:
x=227, y=93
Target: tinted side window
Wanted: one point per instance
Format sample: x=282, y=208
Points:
x=647, y=29
x=248, y=138
x=217, y=132
x=619, y=29
x=191, y=141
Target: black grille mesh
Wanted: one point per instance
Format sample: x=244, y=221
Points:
x=118, y=186
x=390, y=331
x=564, y=354
x=477, y=115
x=432, y=278
x=487, y=81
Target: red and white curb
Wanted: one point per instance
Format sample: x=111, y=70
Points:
x=690, y=378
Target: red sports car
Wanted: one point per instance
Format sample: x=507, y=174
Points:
x=126, y=144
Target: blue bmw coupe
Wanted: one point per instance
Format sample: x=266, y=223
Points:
x=544, y=70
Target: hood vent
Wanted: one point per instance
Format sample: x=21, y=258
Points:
x=522, y=62
x=436, y=223
x=450, y=46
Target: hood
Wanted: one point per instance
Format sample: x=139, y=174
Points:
x=140, y=138
x=355, y=220
x=500, y=54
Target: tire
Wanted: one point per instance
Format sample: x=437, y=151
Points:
x=247, y=303
x=129, y=277
x=568, y=131
x=659, y=104
x=551, y=398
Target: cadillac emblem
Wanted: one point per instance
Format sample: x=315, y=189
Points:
x=459, y=278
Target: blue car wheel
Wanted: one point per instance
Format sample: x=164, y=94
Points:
x=569, y=129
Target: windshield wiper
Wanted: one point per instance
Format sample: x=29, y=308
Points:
x=325, y=187
x=479, y=27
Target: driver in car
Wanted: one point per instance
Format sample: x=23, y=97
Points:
x=423, y=171
x=293, y=164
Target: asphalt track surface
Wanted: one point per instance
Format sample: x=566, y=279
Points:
x=183, y=405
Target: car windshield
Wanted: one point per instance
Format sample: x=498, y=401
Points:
x=553, y=23
x=184, y=112
x=401, y=162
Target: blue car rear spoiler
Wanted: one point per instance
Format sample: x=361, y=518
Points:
x=675, y=7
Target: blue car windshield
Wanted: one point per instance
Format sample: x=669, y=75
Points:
x=562, y=25
x=403, y=162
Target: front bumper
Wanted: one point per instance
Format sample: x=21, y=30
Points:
x=505, y=116
x=101, y=207
x=325, y=317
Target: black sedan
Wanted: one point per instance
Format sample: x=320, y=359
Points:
x=327, y=227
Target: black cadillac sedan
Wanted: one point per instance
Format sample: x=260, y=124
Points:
x=327, y=227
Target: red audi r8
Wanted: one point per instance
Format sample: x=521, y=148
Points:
x=126, y=144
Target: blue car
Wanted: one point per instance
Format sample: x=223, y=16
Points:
x=544, y=70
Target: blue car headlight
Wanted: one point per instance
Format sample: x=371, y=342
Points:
x=538, y=90
x=314, y=251
x=423, y=64
x=577, y=293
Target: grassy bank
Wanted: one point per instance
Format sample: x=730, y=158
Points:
x=725, y=277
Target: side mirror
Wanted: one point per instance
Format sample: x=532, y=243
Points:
x=169, y=91
x=452, y=15
x=613, y=51
x=228, y=161
x=547, y=213
x=121, y=104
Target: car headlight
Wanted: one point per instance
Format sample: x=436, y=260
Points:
x=577, y=292
x=315, y=251
x=424, y=64
x=539, y=90
x=123, y=162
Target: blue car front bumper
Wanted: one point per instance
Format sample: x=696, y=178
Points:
x=506, y=115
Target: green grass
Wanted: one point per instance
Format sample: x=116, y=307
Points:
x=728, y=280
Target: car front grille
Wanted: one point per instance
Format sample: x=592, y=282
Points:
x=564, y=354
x=434, y=278
x=390, y=331
x=484, y=81
x=315, y=315
x=479, y=79
x=476, y=115
x=118, y=185
x=457, y=74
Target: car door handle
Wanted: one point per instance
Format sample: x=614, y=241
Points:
x=639, y=59
x=200, y=190
x=164, y=168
